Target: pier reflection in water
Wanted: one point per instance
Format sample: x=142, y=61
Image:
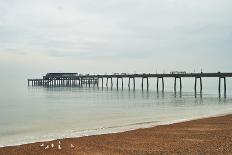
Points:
x=55, y=112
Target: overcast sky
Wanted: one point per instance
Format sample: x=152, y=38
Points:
x=39, y=36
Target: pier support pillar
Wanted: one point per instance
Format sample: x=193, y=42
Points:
x=111, y=79
x=133, y=78
x=219, y=84
x=107, y=80
x=162, y=84
x=117, y=83
x=195, y=85
x=129, y=82
x=179, y=82
x=147, y=84
x=102, y=82
x=98, y=82
x=157, y=83
x=142, y=83
x=134, y=82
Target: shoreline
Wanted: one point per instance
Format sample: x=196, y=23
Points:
x=117, y=129
x=154, y=140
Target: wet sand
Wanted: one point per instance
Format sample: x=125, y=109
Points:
x=204, y=136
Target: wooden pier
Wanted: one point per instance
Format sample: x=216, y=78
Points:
x=88, y=80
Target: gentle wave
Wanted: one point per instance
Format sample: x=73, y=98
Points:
x=103, y=130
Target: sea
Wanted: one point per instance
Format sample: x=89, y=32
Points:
x=33, y=114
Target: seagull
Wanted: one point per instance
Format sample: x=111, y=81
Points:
x=47, y=147
x=59, y=147
x=59, y=142
x=72, y=146
x=52, y=145
x=41, y=145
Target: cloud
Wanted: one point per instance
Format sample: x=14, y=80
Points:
x=132, y=30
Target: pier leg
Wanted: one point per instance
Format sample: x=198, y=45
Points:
x=81, y=82
x=97, y=82
x=224, y=84
x=157, y=84
x=129, y=83
x=111, y=82
x=219, y=85
x=175, y=85
x=117, y=84
x=134, y=82
x=195, y=85
x=180, y=85
x=102, y=82
x=163, y=84
x=122, y=83
x=142, y=83
x=93, y=81
x=201, y=83
x=107, y=82
x=147, y=84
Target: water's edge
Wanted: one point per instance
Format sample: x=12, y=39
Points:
x=113, y=129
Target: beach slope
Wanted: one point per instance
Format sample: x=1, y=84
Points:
x=204, y=136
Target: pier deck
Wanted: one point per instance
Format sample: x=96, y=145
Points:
x=75, y=79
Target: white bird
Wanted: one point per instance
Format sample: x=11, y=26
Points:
x=47, y=147
x=72, y=146
x=41, y=145
x=52, y=145
x=59, y=147
x=59, y=142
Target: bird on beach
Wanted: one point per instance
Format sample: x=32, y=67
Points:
x=47, y=147
x=59, y=142
x=41, y=145
x=72, y=146
x=52, y=145
x=59, y=147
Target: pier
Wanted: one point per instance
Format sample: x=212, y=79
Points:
x=88, y=80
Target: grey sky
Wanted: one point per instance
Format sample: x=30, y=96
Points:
x=115, y=35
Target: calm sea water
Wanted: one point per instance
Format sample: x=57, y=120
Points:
x=29, y=114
